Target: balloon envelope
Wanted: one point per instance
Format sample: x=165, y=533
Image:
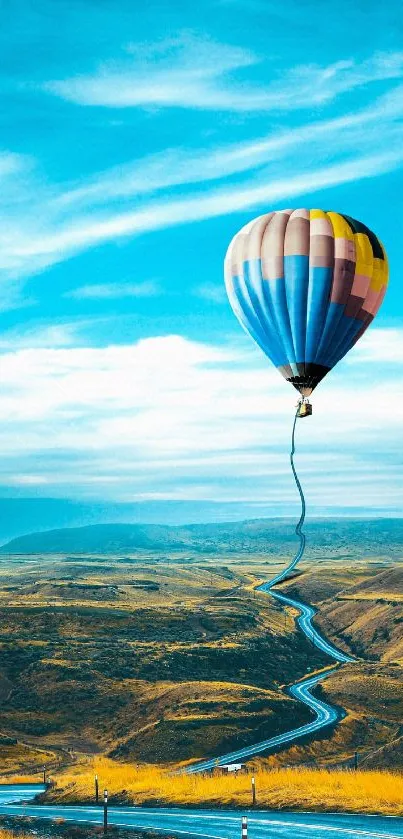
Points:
x=305, y=284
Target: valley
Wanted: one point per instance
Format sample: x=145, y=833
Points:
x=160, y=657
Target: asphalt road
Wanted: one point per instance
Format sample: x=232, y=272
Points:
x=325, y=714
x=304, y=621
x=212, y=824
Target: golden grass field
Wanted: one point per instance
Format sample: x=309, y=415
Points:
x=20, y=757
x=9, y=834
x=305, y=789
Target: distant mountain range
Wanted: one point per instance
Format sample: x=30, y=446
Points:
x=24, y=515
x=340, y=537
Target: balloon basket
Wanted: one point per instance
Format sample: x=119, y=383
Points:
x=304, y=408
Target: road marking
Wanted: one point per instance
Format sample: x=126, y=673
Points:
x=278, y=824
x=262, y=821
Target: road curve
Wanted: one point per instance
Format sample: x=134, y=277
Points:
x=304, y=621
x=211, y=824
x=325, y=714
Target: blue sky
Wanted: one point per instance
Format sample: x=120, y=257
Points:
x=136, y=140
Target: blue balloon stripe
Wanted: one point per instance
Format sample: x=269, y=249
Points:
x=320, y=284
x=276, y=289
x=262, y=305
x=272, y=318
x=296, y=272
x=243, y=307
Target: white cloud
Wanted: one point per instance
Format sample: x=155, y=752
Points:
x=381, y=345
x=172, y=418
x=193, y=73
x=185, y=73
x=115, y=291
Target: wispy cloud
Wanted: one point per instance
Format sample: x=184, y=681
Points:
x=88, y=232
x=182, y=72
x=43, y=335
x=42, y=224
x=10, y=164
x=211, y=292
x=192, y=73
x=116, y=291
x=178, y=167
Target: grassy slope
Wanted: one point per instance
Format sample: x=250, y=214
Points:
x=360, y=608
x=163, y=658
x=361, y=792
x=147, y=659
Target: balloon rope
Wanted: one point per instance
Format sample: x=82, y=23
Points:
x=298, y=530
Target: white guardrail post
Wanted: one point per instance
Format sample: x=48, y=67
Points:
x=244, y=834
x=105, y=812
x=253, y=791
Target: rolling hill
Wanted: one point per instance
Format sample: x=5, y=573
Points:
x=337, y=538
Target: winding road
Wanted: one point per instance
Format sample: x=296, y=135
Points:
x=208, y=824
x=325, y=714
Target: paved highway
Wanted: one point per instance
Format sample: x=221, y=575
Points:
x=211, y=824
x=304, y=621
x=325, y=714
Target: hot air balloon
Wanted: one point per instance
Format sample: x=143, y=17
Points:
x=305, y=284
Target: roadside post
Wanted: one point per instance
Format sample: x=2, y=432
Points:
x=44, y=775
x=96, y=790
x=105, y=812
x=244, y=834
x=253, y=791
x=356, y=760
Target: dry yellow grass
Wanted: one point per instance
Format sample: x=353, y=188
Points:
x=307, y=789
x=27, y=778
x=8, y=834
